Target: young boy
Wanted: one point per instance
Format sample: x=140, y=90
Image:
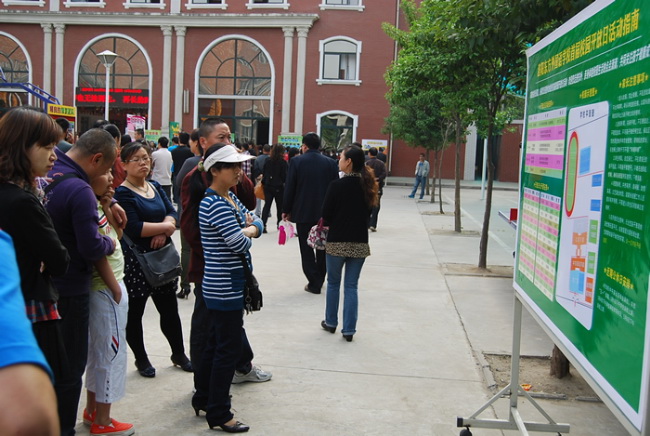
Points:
x=108, y=307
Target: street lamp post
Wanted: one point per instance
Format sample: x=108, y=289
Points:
x=107, y=58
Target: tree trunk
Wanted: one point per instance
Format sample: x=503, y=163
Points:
x=440, y=181
x=457, y=224
x=426, y=182
x=559, y=363
x=482, y=260
x=434, y=177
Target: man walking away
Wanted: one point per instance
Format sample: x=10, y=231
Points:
x=258, y=166
x=308, y=177
x=380, y=175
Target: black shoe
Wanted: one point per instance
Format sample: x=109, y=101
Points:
x=308, y=289
x=183, y=293
x=347, y=337
x=237, y=427
x=182, y=362
x=328, y=328
x=145, y=369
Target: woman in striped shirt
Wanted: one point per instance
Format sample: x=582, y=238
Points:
x=227, y=229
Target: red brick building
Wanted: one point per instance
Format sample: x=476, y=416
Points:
x=269, y=67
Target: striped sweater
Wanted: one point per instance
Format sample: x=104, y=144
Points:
x=223, y=240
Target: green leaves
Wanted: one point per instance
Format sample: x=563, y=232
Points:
x=468, y=55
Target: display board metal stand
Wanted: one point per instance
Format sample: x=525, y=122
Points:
x=514, y=421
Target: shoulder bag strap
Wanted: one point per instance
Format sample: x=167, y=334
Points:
x=55, y=181
x=247, y=270
x=130, y=243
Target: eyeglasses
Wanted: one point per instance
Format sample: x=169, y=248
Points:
x=137, y=160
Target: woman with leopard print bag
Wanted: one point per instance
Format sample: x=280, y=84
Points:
x=346, y=210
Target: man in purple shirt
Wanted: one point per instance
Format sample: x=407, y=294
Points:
x=73, y=207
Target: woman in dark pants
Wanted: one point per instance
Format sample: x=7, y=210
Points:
x=151, y=223
x=274, y=176
x=227, y=229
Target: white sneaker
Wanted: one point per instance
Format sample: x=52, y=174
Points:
x=256, y=375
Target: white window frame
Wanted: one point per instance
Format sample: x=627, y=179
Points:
x=354, y=117
x=84, y=4
x=39, y=3
x=321, y=47
x=360, y=7
x=189, y=5
x=129, y=5
x=252, y=5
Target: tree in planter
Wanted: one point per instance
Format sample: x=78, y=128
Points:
x=491, y=37
x=494, y=36
x=474, y=52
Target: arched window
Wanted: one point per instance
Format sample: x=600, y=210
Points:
x=129, y=71
x=336, y=129
x=15, y=67
x=339, y=61
x=235, y=83
x=129, y=83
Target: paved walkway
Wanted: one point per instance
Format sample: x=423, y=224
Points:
x=412, y=367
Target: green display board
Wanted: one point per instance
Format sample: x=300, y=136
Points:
x=583, y=242
x=290, y=140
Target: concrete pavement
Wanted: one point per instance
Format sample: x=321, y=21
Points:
x=412, y=367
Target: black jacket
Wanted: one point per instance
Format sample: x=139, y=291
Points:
x=308, y=177
x=275, y=173
x=24, y=218
x=345, y=211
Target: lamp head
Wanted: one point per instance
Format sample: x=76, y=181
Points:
x=107, y=58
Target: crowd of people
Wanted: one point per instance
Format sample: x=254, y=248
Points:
x=78, y=216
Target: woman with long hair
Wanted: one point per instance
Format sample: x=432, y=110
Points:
x=346, y=209
x=274, y=174
x=227, y=229
x=151, y=223
x=27, y=141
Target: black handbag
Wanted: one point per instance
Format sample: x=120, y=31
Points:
x=158, y=266
x=253, y=300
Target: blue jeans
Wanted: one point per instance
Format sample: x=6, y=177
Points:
x=74, y=326
x=419, y=181
x=350, y=285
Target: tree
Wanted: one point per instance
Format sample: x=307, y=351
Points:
x=491, y=37
x=421, y=68
x=473, y=54
x=418, y=121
